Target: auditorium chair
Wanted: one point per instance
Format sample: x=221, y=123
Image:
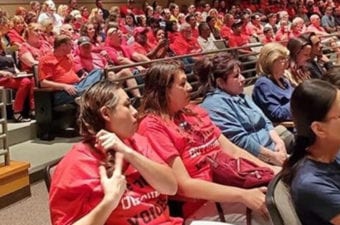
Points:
x=279, y=203
x=52, y=120
x=48, y=172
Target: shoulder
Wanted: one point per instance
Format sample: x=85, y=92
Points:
x=151, y=122
x=262, y=81
x=216, y=98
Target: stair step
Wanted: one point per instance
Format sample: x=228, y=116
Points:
x=41, y=153
x=20, y=132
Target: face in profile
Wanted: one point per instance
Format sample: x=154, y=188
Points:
x=330, y=126
x=179, y=93
x=234, y=82
x=304, y=55
x=122, y=120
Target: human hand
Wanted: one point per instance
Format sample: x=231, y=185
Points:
x=70, y=89
x=276, y=169
x=106, y=140
x=255, y=200
x=280, y=147
x=6, y=74
x=114, y=186
x=278, y=158
x=323, y=58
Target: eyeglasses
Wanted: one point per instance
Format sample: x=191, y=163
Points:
x=38, y=30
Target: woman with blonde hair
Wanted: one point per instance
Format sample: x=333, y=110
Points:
x=47, y=27
x=63, y=11
x=272, y=90
x=15, y=34
x=34, y=47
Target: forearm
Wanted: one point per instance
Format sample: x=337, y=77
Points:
x=52, y=84
x=100, y=213
x=275, y=137
x=157, y=175
x=266, y=155
x=28, y=59
x=237, y=152
x=140, y=58
x=201, y=189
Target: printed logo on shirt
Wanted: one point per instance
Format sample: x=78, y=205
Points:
x=202, y=149
x=150, y=214
x=130, y=201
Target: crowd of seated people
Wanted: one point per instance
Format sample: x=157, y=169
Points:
x=72, y=46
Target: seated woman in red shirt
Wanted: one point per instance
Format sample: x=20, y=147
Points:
x=34, y=47
x=109, y=177
x=184, y=136
x=15, y=34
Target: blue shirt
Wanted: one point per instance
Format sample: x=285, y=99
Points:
x=272, y=99
x=316, y=192
x=240, y=120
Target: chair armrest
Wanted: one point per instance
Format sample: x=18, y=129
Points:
x=44, y=89
x=287, y=124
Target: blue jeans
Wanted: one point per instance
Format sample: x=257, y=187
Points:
x=62, y=97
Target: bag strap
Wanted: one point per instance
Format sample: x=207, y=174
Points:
x=220, y=212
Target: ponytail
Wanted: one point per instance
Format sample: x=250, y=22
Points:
x=297, y=157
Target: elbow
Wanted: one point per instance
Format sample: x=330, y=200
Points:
x=172, y=189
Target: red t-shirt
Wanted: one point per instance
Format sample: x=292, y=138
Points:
x=192, y=138
x=58, y=69
x=14, y=36
x=93, y=61
x=76, y=189
x=36, y=53
x=238, y=40
x=182, y=46
x=122, y=50
x=226, y=32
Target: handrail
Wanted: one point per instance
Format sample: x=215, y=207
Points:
x=233, y=50
x=251, y=45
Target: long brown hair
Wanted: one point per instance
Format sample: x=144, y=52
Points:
x=159, y=78
x=90, y=120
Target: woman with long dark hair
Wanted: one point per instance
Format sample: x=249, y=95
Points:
x=313, y=170
x=184, y=136
x=109, y=177
x=238, y=117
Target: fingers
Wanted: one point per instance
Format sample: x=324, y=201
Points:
x=102, y=172
x=263, y=189
x=118, y=164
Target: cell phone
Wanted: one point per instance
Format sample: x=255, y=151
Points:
x=162, y=24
